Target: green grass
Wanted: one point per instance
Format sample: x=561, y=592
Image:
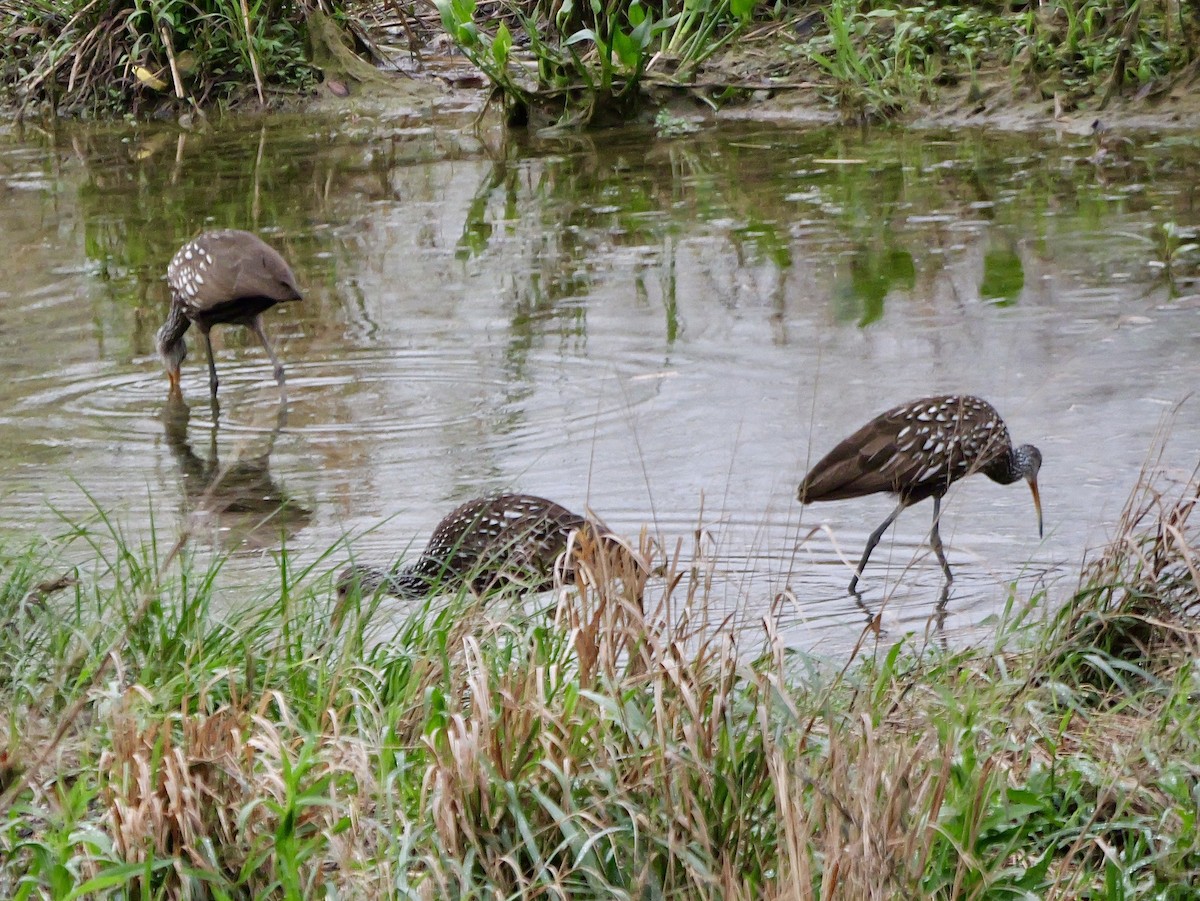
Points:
x=588, y=63
x=159, y=741
x=881, y=59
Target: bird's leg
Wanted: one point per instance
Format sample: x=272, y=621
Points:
x=212, y=364
x=874, y=540
x=935, y=538
x=257, y=325
x=939, y=615
x=216, y=427
x=281, y=414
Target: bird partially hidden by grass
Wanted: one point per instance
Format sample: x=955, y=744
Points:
x=222, y=277
x=489, y=544
x=916, y=451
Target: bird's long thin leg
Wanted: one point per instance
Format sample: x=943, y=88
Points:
x=257, y=325
x=874, y=540
x=935, y=538
x=213, y=448
x=281, y=415
x=939, y=615
x=212, y=364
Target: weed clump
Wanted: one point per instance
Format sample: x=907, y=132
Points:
x=1136, y=615
x=580, y=64
x=117, y=56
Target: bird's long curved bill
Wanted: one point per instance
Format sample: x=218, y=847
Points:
x=1037, y=503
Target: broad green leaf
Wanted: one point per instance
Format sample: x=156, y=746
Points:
x=665, y=24
x=641, y=35
x=447, y=13
x=627, y=52
x=741, y=9
x=583, y=34
x=564, y=13
x=502, y=45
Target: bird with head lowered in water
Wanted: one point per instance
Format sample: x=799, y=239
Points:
x=489, y=544
x=222, y=277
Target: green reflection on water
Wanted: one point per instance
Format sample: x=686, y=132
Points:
x=1003, y=276
x=556, y=216
x=872, y=276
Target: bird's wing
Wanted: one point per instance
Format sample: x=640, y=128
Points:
x=536, y=538
x=255, y=269
x=226, y=266
x=888, y=454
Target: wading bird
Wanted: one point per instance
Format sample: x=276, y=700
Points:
x=918, y=450
x=490, y=543
x=229, y=277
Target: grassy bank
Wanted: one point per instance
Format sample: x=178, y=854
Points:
x=872, y=59
x=577, y=64
x=159, y=743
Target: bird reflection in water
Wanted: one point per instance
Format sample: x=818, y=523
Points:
x=237, y=503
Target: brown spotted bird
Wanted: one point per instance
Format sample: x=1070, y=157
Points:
x=489, y=543
x=222, y=277
x=918, y=450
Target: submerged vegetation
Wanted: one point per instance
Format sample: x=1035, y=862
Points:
x=575, y=63
x=161, y=742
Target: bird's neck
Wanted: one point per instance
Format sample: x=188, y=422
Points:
x=170, y=334
x=1005, y=468
x=408, y=584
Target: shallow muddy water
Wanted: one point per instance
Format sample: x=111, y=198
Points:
x=668, y=331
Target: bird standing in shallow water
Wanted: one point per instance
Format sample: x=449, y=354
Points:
x=918, y=450
x=227, y=276
x=488, y=543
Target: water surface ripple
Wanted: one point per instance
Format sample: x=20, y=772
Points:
x=667, y=331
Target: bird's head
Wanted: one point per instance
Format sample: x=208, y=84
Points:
x=366, y=580
x=1028, y=460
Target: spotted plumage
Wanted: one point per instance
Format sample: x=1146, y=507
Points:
x=222, y=277
x=487, y=543
x=917, y=451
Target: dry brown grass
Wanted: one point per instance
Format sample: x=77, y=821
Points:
x=213, y=793
x=1139, y=598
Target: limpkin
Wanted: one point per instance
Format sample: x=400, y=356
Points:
x=916, y=451
x=226, y=276
x=489, y=543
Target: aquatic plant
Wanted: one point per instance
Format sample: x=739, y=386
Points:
x=584, y=63
x=869, y=83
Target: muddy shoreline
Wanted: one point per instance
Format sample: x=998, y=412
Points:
x=994, y=105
